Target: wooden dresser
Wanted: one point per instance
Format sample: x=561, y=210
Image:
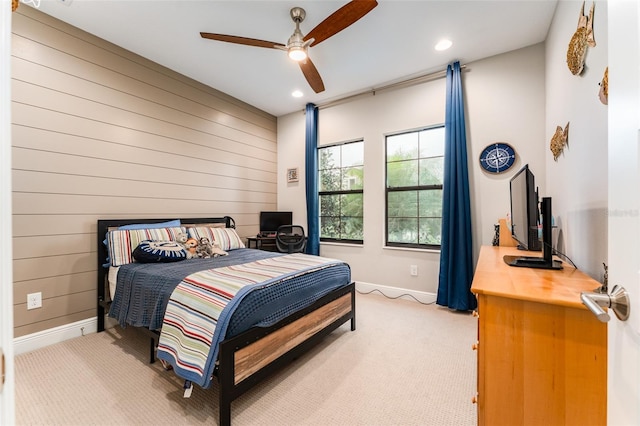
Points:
x=542, y=355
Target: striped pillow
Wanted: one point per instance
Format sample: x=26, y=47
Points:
x=227, y=238
x=123, y=242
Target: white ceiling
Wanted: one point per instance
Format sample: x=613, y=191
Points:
x=393, y=42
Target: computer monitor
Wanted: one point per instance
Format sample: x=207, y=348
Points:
x=271, y=221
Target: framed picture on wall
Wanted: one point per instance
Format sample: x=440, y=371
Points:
x=292, y=175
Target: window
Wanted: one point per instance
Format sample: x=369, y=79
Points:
x=341, y=177
x=414, y=172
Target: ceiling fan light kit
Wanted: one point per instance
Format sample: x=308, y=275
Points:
x=298, y=44
x=297, y=53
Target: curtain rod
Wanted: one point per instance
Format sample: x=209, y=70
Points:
x=400, y=84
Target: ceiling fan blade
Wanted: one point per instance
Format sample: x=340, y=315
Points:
x=243, y=40
x=312, y=75
x=340, y=19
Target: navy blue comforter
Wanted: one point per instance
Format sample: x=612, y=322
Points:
x=143, y=291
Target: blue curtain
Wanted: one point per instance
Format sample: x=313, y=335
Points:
x=311, y=179
x=456, y=254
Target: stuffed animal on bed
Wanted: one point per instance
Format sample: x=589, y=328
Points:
x=206, y=249
x=189, y=244
x=217, y=250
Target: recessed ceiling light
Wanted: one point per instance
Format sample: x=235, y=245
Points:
x=297, y=94
x=443, y=44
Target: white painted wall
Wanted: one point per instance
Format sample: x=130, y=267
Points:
x=577, y=181
x=505, y=102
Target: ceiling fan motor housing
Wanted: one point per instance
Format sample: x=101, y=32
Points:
x=298, y=14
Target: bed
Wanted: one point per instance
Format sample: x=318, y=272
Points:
x=259, y=329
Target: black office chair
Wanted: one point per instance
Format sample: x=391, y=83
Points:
x=290, y=239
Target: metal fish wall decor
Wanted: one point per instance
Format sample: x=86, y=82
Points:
x=559, y=141
x=582, y=38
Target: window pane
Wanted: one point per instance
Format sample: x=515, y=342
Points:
x=329, y=157
x=430, y=203
x=402, y=147
x=329, y=180
x=430, y=231
x=352, y=228
x=403, y=173
x=353, y=178
x=403, y=230
x=432, y=142
x=351, y=205
x=432, y=171
x=353, y=154
x=329, y=227
x=330, y=205
x=402, y=204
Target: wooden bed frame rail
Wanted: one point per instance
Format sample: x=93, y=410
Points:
x=248, y=358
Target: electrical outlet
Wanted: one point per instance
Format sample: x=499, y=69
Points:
x=34, y=300
x=413, y=269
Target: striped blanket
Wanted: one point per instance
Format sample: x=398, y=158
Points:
x=199, y=309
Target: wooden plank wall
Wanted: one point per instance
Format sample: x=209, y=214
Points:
x=99, y=132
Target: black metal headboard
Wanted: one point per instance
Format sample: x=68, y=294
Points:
x=103, y=228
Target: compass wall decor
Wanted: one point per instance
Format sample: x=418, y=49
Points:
x=497, y=157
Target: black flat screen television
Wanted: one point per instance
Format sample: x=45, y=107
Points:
x=271, y=221
x=524, y=209
x=524, y=223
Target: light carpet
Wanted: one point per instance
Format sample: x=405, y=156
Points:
x=406, y=364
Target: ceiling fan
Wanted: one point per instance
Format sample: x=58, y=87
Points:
x=298, y=44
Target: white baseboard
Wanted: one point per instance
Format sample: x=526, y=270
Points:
x=41, y=339
x=38, y=340
x=395, y=292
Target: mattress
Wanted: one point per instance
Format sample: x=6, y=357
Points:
x=112, y=277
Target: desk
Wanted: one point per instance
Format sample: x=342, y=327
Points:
x=262, y=243
x=542, y=355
